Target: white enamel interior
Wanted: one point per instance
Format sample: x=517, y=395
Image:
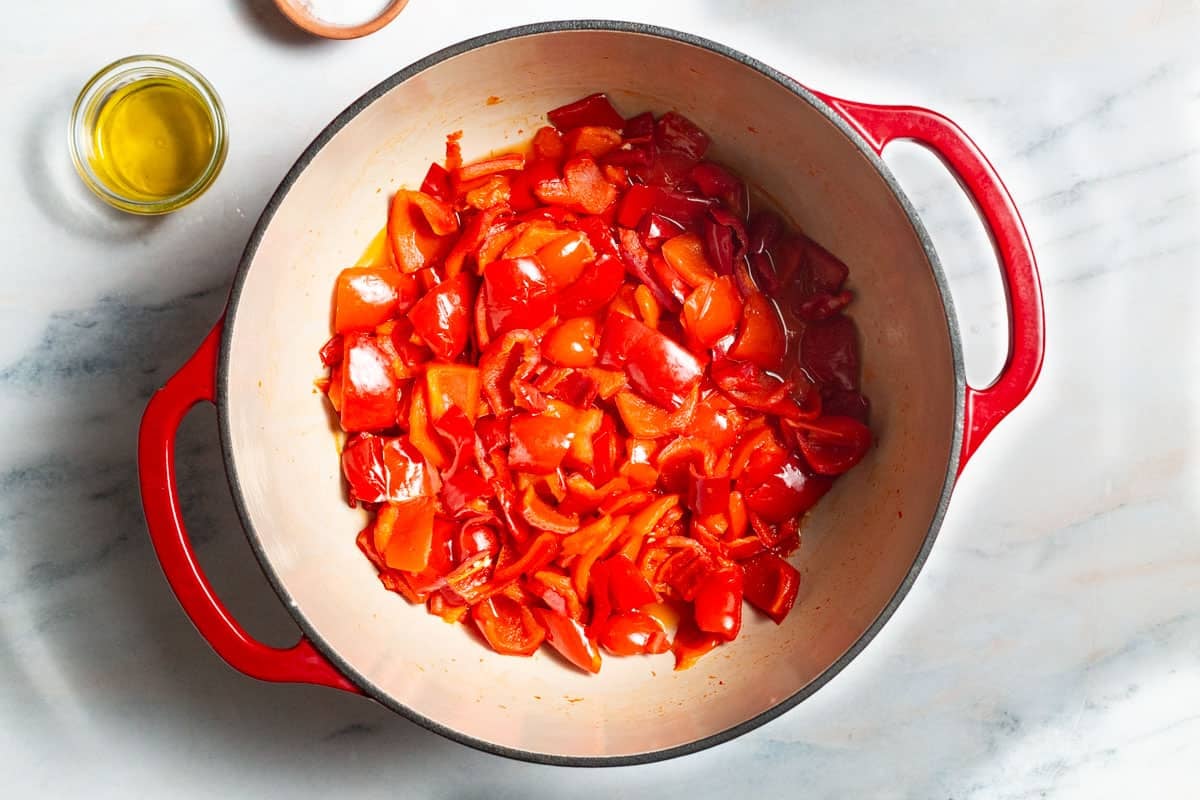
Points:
x=859, y=545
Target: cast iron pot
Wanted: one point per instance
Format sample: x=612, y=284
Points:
x=864, y=544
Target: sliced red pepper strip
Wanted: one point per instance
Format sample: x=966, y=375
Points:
x=404, y=534
x=418, y=228
x=507, y=363
x=581, y=569
x=489, y=166
x=543, y=517
x=508, y=626
x=570, y=639
x=437, y=183
x=637, y=261
x=556, y=591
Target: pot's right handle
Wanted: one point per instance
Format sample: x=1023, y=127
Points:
x=195, y=383
x=880, y=125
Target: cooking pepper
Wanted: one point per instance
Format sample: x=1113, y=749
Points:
x=442, y=317
x=369, y=388
x=516, y=294
x=368, y=296
x=418, y=227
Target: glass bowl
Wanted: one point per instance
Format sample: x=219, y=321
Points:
x=101, y=88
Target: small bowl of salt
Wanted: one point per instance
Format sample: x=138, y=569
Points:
x=341, y=19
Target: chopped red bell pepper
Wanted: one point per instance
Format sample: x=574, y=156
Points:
x=594, y=290
x=599, y=440
x=370, y=392
x=516, y=294
x=419, y=226
x=595, y=109
x=718, y=603
x=832, y=445
x=771, y=585
x=369, y=296
x=508, y=625
x=761, y=339
x=632, y=633
x=582, y=187
x=442, y=317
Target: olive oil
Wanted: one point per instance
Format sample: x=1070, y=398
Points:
x=152, y=139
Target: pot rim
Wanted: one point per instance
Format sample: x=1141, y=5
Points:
x=225, y=426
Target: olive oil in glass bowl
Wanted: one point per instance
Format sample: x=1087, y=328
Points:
x=148, y=134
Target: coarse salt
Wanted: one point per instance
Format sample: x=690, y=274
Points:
x=344, y=12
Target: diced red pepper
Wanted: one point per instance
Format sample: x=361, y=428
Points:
x=595, y=109
x=437, y=183
x=633, y=633
x=516, y=294
x=761, y=339
x=442, y=318
x=594, y=290
x=832, y=445
x=718, y=603
x=370, y=392
x=369, y=296
x=771, y=585
x=582, y=187
x=674, y=131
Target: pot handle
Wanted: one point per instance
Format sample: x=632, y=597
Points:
x=985, y=407
x=192, y=384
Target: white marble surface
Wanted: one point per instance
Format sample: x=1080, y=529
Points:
x=1051, y=647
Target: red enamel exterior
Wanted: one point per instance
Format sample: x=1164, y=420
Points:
x=985, y=407
x=195, y=383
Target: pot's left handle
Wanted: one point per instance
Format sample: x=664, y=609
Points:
x=194, y=383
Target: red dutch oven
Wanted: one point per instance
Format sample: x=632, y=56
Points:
x=818, y=156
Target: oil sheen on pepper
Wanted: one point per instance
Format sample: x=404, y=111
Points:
x=153, y=139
